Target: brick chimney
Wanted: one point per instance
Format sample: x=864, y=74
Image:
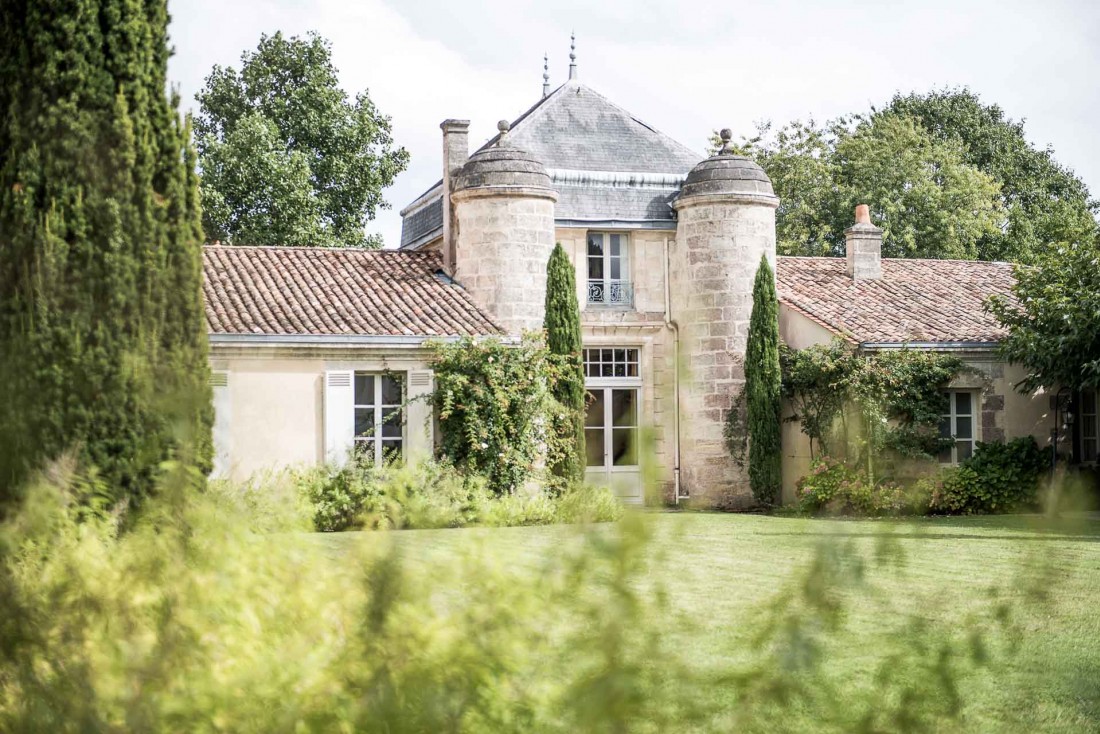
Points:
x=456, y=149
x=863, y=247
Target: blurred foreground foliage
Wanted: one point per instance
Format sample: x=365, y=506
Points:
x=434, y=495
x=210, y=613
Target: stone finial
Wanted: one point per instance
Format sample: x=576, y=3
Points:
x=572, y=55
x=503, y=126
x=545, y=74
x=726, y=135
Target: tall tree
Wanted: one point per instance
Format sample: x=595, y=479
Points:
x=1053, y=318
x=286, y=158
x=763, y=389
x=948, y=176
x=928, y=200
x=101, y=327
x=563, y=338
x=1042, y=201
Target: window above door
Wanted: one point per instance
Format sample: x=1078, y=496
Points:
x=608, y=264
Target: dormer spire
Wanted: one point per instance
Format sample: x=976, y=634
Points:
x=545, y=74
x=572, y=55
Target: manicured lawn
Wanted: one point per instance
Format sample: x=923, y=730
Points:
x=951, y=573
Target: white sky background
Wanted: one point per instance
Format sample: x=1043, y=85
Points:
x=684, y=68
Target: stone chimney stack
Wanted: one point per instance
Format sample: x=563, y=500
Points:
x=863, y=245
x=456, y=151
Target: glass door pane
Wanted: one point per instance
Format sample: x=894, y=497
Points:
x=594, y=429
x=624, y=432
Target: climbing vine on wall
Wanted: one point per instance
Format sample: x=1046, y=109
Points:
x=859, y=406
x=495, y=403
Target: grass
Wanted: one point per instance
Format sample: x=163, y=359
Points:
x=721, y=570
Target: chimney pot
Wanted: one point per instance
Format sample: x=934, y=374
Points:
x=863, y=247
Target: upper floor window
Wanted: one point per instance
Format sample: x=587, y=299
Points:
x=609, y=269
x=379, y=417
x=958, y=423
x=1090, y=435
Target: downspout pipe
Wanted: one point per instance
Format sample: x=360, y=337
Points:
x=671, y=324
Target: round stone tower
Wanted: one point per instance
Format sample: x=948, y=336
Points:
x=726, y=221
x=504, y=214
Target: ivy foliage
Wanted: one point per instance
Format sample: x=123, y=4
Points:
x=101, y=331
x=496, y=406
x=286, y=157
x=857, y=406
x=563, y=338
x=763, y=387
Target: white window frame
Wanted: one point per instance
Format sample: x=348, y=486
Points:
x=608, y=384
x=605, y=287
x=379, y=408
x=952, y=415
x=1094, y=440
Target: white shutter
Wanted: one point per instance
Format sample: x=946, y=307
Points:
x=339, y=416
x=223, y=422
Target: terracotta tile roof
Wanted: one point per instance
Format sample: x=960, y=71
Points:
x=320, y=291
x=914, y=301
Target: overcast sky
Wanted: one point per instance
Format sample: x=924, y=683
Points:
x=685, y=68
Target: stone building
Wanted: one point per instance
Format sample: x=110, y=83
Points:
x=310, y=347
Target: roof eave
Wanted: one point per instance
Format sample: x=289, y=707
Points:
x=942, y=346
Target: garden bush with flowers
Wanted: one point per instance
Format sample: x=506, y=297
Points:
x=496, y=409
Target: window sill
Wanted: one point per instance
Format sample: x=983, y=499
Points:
x=596, y=306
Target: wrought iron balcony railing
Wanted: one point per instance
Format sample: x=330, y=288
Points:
x=610, y=292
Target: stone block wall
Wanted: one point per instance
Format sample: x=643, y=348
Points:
x=713, y=266
x=502, y=246
x=647, y=275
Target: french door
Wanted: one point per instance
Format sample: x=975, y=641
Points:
x=612, y=421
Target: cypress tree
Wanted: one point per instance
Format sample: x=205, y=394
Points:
x=563, y=338
x=762, y=388
x=101, y=326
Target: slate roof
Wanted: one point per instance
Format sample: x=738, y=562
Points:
x=311, y=291
x=914, y=301
x=575, y=128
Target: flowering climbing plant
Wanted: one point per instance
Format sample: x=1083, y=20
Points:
x=496, y=408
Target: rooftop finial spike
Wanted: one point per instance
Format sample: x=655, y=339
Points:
x=502, y=128
x=545, y=74
x=572, y=55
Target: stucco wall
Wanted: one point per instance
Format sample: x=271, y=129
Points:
x=1003, y=412
x=275, y=404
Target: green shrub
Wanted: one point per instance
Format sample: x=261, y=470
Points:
x=999, y=477
x=434, y=495
x=836, y=488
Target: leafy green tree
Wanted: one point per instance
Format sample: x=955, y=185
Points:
x=946, y=175
x=928, y=200
x=101, y=326
x=763, y=389
x=286, y=158
x=563, y=339
x=1042, y=201
x=1053, y=318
